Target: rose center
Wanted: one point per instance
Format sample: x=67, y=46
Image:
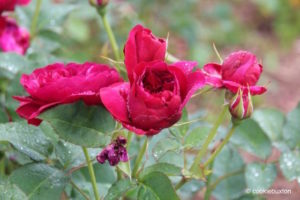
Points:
x=156, y=81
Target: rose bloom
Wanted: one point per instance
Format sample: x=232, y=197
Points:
x=12, y=37
x=239, y=70
x=59, y=84
x=9, y=5
x=157, y=92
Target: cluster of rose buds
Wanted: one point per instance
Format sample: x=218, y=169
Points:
x=239, y=74
x=12, y=37
x=114, y=153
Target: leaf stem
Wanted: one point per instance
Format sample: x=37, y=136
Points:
x=208, y=140
x=220, y=147
x=91, y=172
x=140, y=158
x=35, y=18
x=180, y=183
x=79, y=190
x=221, y=178
x=111, y=35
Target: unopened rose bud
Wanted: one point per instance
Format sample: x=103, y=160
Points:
x=99, y=3
x=240, y=105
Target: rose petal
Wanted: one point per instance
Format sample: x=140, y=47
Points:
x=114, y=98
x=213, y=74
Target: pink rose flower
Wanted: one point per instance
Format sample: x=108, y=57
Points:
x=239, y=70
x=9, y=5
x=12, y=37
x=157, y=92
x=59, y=84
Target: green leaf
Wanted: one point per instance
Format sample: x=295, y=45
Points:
x=28, y=139
x=196, y=137
x=250, y=137
x=11, y=64
x=260, y=176
x=163, y=146
x=158, y=184
x=82, y=125
x=165, y=168
x=228, y=161
x=118, y=189
x=39, y=181
x=125, y=168
x=12, y=192
x=290, y=165
x=291, y=128
x=271, y=121
x=71, y=155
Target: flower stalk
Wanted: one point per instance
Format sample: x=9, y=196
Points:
x=208, y=140
x=110, y=34
x=220, y=147
x=35, y=18
x=91, y=172
x=140, y=158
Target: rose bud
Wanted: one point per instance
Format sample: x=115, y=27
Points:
x=9, y=5
x=114, y=152
x=157, y=92
x=59, y=84
x=240, y=105
x=99, y=3
x=239, y=70
x=12, y=37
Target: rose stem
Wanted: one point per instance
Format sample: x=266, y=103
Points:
x=35, y=18
x=79, y=190
x=220, y=147
x=91, y=172
x=208, y=140
x=110, y=34
x=140, y=157
x=208, y=189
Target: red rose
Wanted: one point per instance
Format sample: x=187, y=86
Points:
x=239, y=70
x=142, y=46
x=157, y=92
x=12, y=37
x=59, y=84
x=9, y=5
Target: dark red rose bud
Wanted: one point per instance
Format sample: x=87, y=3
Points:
x=240, y=105
x=114, y=153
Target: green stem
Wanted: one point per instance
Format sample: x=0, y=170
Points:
x=208, y=189
x=180, y=183
x=140, y=158
x=209, y=138
x=111, y=36
x=91, y=172
x=79, y=190
x=35, y=18
x=220, y=147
